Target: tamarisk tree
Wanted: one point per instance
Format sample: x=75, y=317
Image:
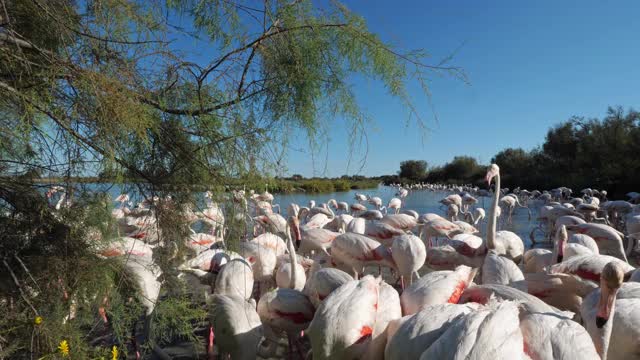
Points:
x=164, y=95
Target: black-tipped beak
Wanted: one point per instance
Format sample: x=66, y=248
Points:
x=560, y=257
x=600, y=321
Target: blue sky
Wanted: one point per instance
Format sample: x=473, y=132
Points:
x=530, y=65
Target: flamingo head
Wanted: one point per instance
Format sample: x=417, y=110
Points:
x=294, y=225
x=491, y=173
x=610, y=281
x=333, y=203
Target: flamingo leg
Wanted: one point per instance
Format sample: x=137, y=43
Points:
x=210, y=343
x=289, y=351
x=298, y=345
x=402, y=282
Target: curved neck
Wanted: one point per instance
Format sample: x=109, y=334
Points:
x=333, y=215
x=493, y=216
x=292, y=258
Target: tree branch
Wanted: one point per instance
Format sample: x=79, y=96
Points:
x=72, y=132
x=201, y=111
x=245, y=70
x=269, y=33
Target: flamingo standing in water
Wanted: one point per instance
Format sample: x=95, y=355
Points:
x=395, y=204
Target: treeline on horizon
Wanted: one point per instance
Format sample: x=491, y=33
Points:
x=578, y=153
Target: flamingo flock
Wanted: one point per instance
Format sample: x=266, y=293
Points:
x=344, y=281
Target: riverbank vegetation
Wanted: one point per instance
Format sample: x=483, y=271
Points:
x=578, y=153
x=274, y=185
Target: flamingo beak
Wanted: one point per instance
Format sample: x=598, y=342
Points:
x=607, y=297
x=489, y=177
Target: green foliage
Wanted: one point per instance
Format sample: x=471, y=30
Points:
x=413, y=169
x=175, y=319
x=577, y=153
x=581, y=153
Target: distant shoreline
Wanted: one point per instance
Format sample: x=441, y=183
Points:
x=277, y=185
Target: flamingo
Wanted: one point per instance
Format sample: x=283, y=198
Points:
x=381, y=232
x=497, y=269
x=477, y=215
x=395, y=204
x=357, y=225
x=271, y=241
x=339, y=223
x=146, y=274
x=409, y=254
x=609, y=240
x=262, y=260
x=286, y=309
x=491, y=332
x=371, y=215
x=452, y=212
x=504, y=243
x=121, y=211
x=388, y=310
x=500, y=270
x=344, y=322
x=589, y=267
x=375, y=201
x=438, y=287
x=563, y=291
x=530, y=304
x=403, y=222
x=291, y=274
x=238, y=329
x=438, y=227
x=235, y=279
x=466, y=227
x=316, y=240
x=612, y=315
x=358, y=250
x=417, y=332
x=323, y=282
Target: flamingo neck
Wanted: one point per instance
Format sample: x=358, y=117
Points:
x=606, y=331
x=491, y=223
x=292, y=258
x=59, y=203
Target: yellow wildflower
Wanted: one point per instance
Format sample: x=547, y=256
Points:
x=114, y=353
x=64, y=348
x=38, y=320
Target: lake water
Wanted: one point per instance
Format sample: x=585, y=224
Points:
x=422, y=201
